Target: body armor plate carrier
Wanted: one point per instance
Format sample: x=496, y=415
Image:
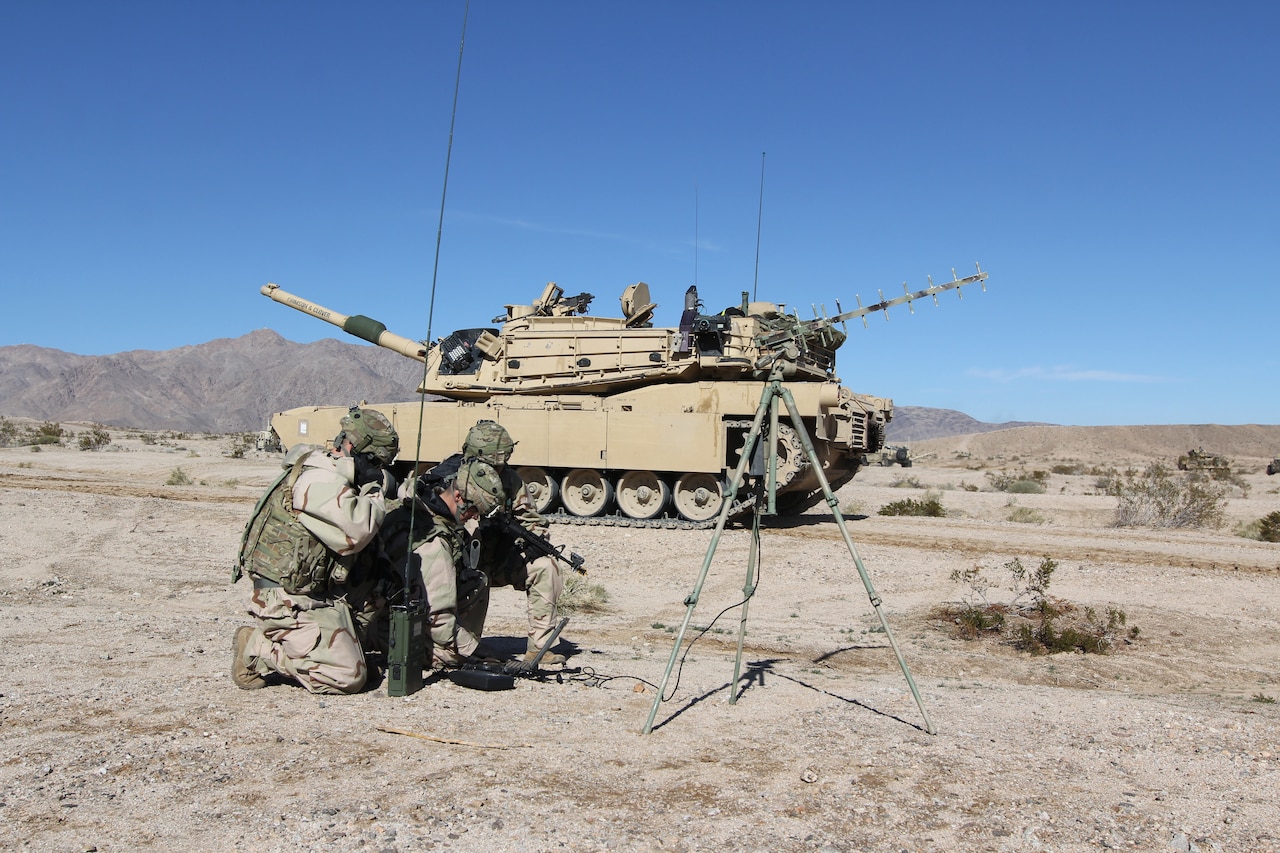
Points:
x=276, y=546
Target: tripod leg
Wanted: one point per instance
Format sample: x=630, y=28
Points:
x=853, y=551
x=692, y=600
x=748, y=590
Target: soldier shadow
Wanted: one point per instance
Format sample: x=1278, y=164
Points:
x=755, y=677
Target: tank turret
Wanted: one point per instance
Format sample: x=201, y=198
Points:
x=615, y=412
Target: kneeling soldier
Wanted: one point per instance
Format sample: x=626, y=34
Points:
x=300, y=547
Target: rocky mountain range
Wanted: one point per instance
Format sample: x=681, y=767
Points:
x=236, y=384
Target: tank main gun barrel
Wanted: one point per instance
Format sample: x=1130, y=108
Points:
x=365, y=328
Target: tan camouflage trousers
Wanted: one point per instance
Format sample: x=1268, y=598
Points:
x=311, y=641
x=542, y=583
x=457, y=601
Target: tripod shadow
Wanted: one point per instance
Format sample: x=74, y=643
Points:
x=755, y=677
x=787, y=522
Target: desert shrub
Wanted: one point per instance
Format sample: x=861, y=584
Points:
x=1031, y=620
x=1095, y=635
x=903, y=482
x=1073, y=468
x=582, y=596
x=929, y=506
x=147, y=438
x=1269, y=527
x=852, y=507
x=1160, y=498
x=178, y=477
x=241, y=443
x=95, y=439
x=47, y=433
x=1019, y=482
x=1025, y=515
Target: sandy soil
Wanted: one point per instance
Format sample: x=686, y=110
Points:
x=122, y=731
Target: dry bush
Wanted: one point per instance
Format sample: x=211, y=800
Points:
x=929, y=506
x=1031, y=620
x=1269, y=527
x=1160, y=498
x=95, y=439
x=582, y=596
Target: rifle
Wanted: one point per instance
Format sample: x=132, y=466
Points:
x=534, y=545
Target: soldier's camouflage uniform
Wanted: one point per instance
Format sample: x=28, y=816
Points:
x=506, y=565
x=311, y=637
x=457, y=595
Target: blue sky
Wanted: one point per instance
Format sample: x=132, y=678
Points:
x=1114, y=166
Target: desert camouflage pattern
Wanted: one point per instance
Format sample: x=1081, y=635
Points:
x=505, y=565
x=457, y=596
x=329, y=504
x=311, y=641
x=314, y=640
x=457, y=600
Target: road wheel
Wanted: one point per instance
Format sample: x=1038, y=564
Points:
x=585, y=492
x=642, y=494
x=543, y=489
x=698, y=497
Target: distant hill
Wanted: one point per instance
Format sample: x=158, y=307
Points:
x=236, y=384
x=225, y=385
x=917, y=423
x=1248, y=445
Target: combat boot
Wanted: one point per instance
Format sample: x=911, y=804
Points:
x=244, y=677
x=549, y=658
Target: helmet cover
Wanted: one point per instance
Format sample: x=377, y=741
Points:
x=490, y=441
x=480, y=485
x=370, y=432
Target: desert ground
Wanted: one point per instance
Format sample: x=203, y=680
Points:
x=121, y=729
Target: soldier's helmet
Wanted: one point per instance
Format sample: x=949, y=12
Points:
x=370, y=432
x=489, y=441
x=480, y=485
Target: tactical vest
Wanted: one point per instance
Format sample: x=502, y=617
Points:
x=277, y=547
x=427, y=525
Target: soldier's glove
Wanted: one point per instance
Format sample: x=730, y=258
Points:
x=366, y=470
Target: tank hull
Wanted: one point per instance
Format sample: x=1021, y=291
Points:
x=670, y=432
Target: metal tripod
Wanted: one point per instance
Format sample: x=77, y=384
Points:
x=773, y=392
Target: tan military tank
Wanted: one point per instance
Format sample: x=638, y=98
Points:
x=616, y=420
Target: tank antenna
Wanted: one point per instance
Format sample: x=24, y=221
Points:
x=759, y=219
x=695, y=234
